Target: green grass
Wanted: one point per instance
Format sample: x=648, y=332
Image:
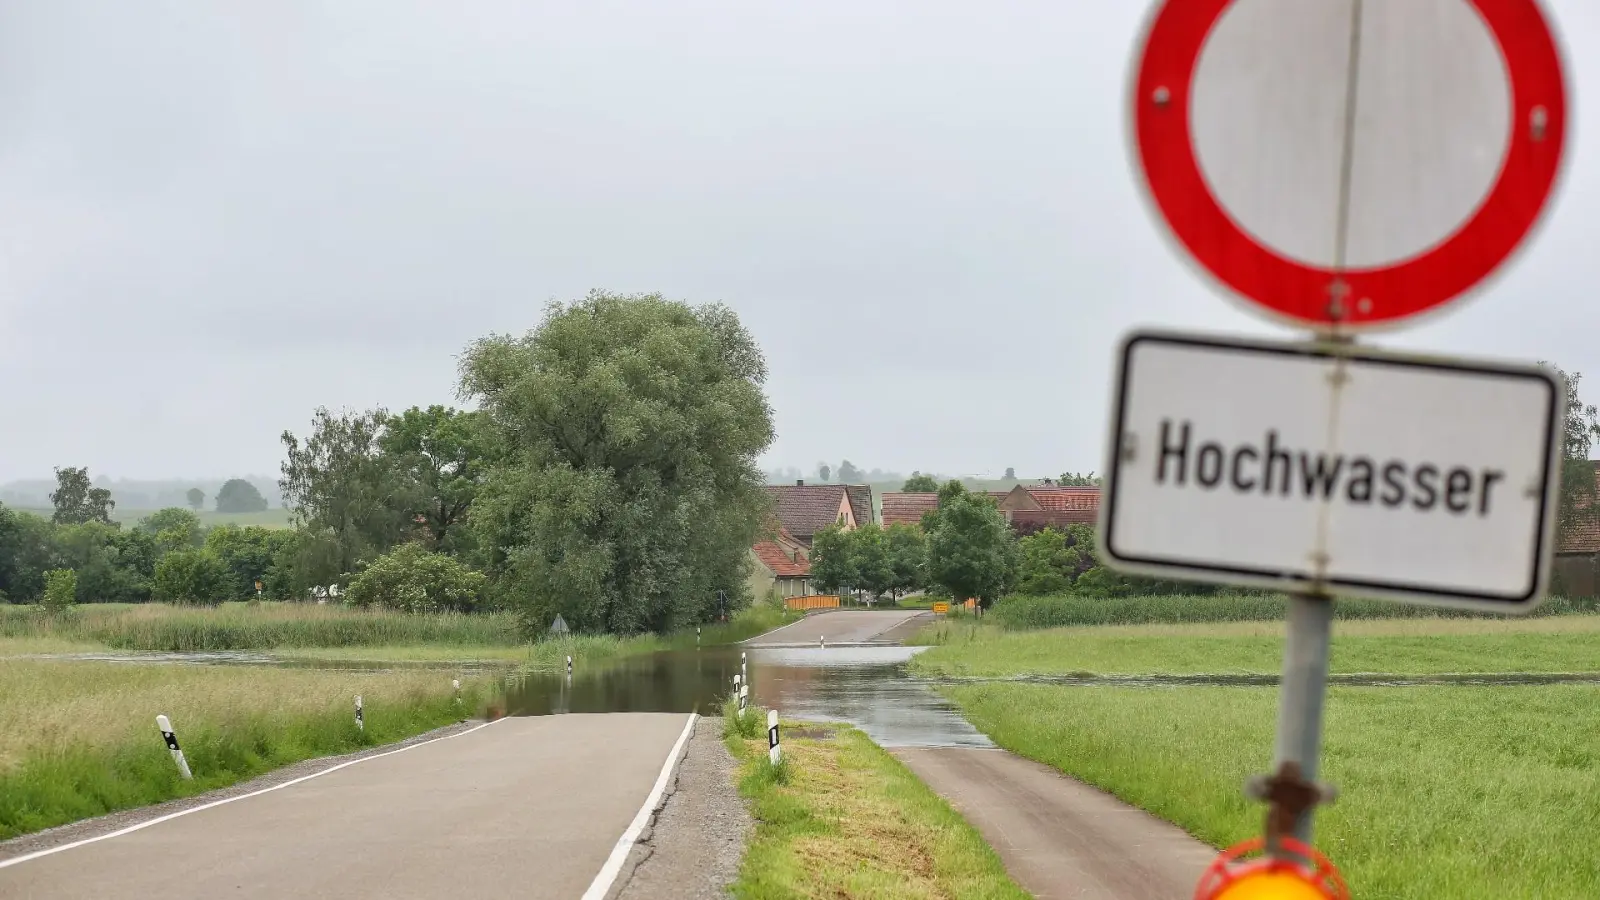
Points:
x=79, y=739
x=1446, y=793
x=843, y=818
x=253, y=626
x=1396, y=646
x=309, y=631
x=1021, y=613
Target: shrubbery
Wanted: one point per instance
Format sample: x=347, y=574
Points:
x=190, y=577
x=60, y=589
x=412, y=579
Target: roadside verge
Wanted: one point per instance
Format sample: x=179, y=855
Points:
x=844, y=818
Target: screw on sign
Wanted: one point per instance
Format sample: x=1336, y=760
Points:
x=1348, y=164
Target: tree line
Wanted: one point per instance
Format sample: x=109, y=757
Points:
x=608, y=473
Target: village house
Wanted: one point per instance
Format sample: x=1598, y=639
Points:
x=805, y=509
x=1026, y=508
x=782, y=561
x=783, y=567
x=1576, y=571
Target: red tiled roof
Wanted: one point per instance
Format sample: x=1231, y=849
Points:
x=1063, y=497
x=1058, y=518
x=806, y=509
x=907, y=509
x=1583, y=536
x=774, y=557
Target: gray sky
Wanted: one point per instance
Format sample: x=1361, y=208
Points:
x=215, y=217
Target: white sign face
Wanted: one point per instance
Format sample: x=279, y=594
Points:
x=1271, y=98
x=1293, y=465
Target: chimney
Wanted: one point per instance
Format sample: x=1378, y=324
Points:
x=799, y=482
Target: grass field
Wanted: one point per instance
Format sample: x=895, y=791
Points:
x=277, y=517
x=78, y=739
x=332, y=632
x=1397, y=646
x=843, y=818
x=1064, y=610
x=1446, y=793
x=253, y=626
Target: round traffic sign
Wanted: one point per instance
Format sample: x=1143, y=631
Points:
x=1349, y=163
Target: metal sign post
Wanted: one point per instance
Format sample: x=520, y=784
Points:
x=1292, y=791
x=1342, y=166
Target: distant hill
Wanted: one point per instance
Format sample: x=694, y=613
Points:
x=137, y=494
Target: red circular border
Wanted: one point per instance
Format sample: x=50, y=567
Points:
x=1171, y=52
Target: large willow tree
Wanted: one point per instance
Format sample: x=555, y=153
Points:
x=627, y=495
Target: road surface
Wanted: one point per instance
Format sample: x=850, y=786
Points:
x=523, y=807
x=1059, y=838
x=843, y=627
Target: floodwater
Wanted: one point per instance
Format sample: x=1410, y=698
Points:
x=866, y=686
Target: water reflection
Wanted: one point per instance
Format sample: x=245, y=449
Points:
x=864, y=686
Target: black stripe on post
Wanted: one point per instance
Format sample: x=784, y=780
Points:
x=172, y=739
x=772, y=737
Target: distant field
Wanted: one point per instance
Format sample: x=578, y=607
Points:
x=1403, y=646
x=277, y=517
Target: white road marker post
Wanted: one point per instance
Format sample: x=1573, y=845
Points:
x=569, y=665
x=744, y=666
x=360, y=725
x=774, y=752
x=172, y=744
x=456, y=683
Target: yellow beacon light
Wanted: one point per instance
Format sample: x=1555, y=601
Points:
x=1270, y=878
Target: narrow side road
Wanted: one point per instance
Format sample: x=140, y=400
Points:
x=843, y=627
x=1059, y=838
x=524, y=807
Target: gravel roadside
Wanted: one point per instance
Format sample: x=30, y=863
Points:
x=694, y=843
x=88, y=828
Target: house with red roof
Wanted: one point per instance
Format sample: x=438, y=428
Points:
x=782, y=561
x=1576, y=571
x=782, y=567
x=1027, y=508
x=805, y=509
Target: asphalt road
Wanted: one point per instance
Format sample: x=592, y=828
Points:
x=843, y=627
x=1059, y=838
x=525, y=807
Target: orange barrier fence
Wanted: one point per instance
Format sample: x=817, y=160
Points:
x=814, y=601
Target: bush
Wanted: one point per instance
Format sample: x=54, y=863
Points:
x=60, y=589
x=190, y=577
x=412, y=579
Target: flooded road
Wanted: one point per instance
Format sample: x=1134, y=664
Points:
x=864, y=686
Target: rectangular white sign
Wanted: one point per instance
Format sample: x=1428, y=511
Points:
x=1372, y=474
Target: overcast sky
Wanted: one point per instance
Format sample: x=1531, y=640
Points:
x=215, y=217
